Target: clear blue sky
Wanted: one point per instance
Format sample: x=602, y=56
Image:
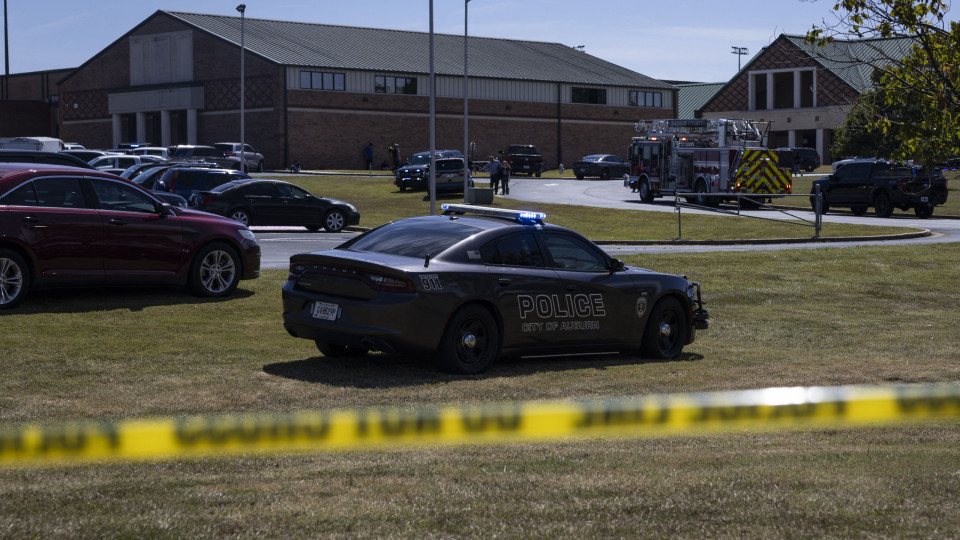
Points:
x=671, y=40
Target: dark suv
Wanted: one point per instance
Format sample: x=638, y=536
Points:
x=415, y=174
x=185, y=180
x=806, y=159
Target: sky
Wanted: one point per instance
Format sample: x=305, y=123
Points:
x=674, y=40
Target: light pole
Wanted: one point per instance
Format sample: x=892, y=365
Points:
x=432, y=184
x=243, y=161
x=739, y=51
x=466, y=92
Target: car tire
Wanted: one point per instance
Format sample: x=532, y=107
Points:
x=470, y=343
x=241, y=215
x=579, y=177
x=646, y=194
x=813, y=202
x=538, y=175
x=260, y=166
x=882, y=206
x=339, y=351
x=809, y=167
x=403, y=188
x=666, y=331
x=216, y=271
x=14, y=279
x=923, y=211
x=334, y=221
x=858, y=210
x=605, y=174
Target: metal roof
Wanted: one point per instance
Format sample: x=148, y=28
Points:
x=324, y=46
x=691, y=97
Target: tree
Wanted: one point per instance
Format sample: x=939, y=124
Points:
x=914, y=109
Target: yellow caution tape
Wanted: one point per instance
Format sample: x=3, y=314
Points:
x=651, y=416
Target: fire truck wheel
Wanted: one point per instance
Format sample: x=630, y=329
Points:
x=700, y=190
x=646, y=194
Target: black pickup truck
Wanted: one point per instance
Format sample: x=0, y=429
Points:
x=524, y=158
x=882, y=185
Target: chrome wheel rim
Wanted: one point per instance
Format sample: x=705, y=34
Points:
x=217, y=271
x=11, y=281
x=335, y=221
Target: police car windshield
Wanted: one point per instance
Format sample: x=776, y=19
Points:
x=412, y=239
x=419, y=159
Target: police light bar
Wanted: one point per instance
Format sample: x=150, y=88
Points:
x=522, y=216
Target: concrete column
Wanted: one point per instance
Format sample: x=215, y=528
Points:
x=142, y=128
x=191, y=126
x=769, y=91
x=751, y=96
x=820, y=132
x=792, y=138
x=164, y=128
x=796, y=90
x=117, y=125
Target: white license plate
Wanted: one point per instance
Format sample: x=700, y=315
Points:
x=924, y=199
x=325, y=311
x=526, y=166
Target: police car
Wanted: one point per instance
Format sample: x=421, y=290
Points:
x=479, y=283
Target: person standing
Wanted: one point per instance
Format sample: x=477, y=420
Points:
x=504, y=177
x=493, y=167
x=395, y=157
x=368, y=154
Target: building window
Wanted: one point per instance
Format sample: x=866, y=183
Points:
x=646, y=99
x=395, y=85
x=593, y=96
x=322, y=80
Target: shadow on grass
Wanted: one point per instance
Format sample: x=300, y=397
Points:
x=108, y=298
x=389, y=371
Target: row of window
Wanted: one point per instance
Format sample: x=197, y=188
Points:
x=388, y=84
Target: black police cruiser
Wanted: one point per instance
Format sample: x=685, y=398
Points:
x=476, y=283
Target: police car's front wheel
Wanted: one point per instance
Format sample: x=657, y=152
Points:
x=470, y=342
x=666, y=331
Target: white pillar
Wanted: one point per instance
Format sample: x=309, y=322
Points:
x=820, y=142
x=769, y=91
x=791, y=138
x=191, y=126
x=142, y=128
x=117, y=125
x=797, y=102
x=164, y=128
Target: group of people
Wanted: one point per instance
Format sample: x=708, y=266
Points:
x=499, y=175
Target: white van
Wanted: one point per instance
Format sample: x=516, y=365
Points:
x=45, y=144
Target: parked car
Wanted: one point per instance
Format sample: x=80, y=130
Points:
x=73, y=146
x=524, y=158
x=159, y=151
x=185, y=180
x=275, y=202
x=67, y=226
x=467, y=289
x=117, y=163
x=86, y=155
x=805, y=159
x=231, y=156
x=884, y=186
x=186, y=152
x=603, y=165
x=47, y=158
x=415, y=174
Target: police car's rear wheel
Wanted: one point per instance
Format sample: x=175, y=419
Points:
x=666, y=331
x=470, y=342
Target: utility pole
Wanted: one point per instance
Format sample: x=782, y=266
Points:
x=739, y=51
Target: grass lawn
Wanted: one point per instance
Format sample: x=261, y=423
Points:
x=831, y=316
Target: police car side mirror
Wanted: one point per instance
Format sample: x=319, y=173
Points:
x=616, y=265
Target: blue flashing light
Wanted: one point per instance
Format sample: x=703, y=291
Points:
x=521, y=216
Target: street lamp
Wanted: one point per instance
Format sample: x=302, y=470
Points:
x=466, y=144
x=243, y=161
x=739, y=51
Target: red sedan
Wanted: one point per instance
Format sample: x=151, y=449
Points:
x=65, y=226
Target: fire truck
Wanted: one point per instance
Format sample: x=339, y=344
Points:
x=696, y=157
